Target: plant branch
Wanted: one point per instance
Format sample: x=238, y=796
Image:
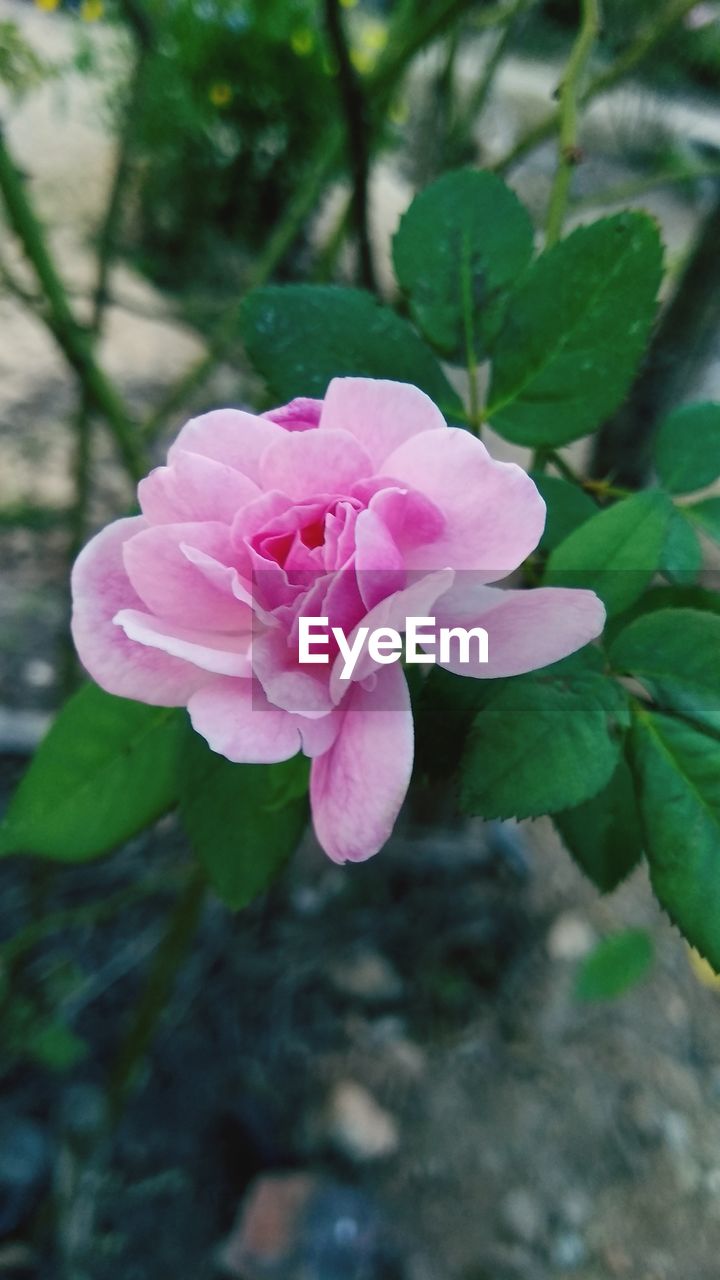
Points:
x=74, y=341
x=352, y=99
x=635, y=53
x=568, y=95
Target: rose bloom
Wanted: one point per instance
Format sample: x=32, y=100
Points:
x=365, y=508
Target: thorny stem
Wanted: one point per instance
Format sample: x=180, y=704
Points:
x=568, y=95
x=354, y=106
x=635, y=53
x=475, y=407
x=603, y=488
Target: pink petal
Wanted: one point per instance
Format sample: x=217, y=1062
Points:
x=301, y=414
x=194, y=488
x=379, y=564
x=211, y=650
x=100, y=587
x=358, y=786
x=304, y=463
x=412, y=519
x=294, y=688
x=380, y=414
x=171, y=586
x=415, y=600
x=231, y=436
x=493, y=512
x=236, y=720
x=526, y=629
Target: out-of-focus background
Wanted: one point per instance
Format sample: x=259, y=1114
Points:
x=381, y=1071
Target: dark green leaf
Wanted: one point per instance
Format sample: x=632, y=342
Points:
x=575, y=331
x=567, y=508
x=681, y=558
x=687, y=448
x=603, y=834
x=107, y=768
x=677, y=769
x=465, y=238
x=676, y=655
x=243, y=820
x=299, y=337
x=617, y=552
x=541, y=746
x=616, y=964
x=663, y=598
x=706, y=516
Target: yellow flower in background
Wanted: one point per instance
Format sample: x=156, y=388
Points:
x=370, y=39
x=703, y=971
x=47, y=6
x=302, y=41
x=91, y=10
x=348, y=4
x=220, y=93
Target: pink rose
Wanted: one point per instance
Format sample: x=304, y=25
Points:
x=365, y=508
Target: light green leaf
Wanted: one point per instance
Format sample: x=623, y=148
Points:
x=681, y=559
x=465, y=238
x=567, y=508
x=616, y=964
x=603, y=834
x=541, y=746
x=107, y=768
x=243, y=820
x=575, y=331
x=676, y=655
x=677, y=770
x=299, y=337
x=617, y=552
x=687, y=448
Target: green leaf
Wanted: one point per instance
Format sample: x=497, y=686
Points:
x=465, y=237
x=243, y=820
x=299, y=337
x=687, y=448
x=617, y=552
x=567, y=508
x=706, y=516
x=616, y=964
x=663, y=598
x=541, y=746
x=681, y=559
x=676, y=655
x=107, y=768
x=677, y=770
x=603, y=834
x=57, y=1046
x=575, y=331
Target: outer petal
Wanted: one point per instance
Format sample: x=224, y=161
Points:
x=239, y=723
x=380, y=414
x=172, y=586
x=231, y=436
x=526, y=629
x=301, y=414
x=494, y=514
x=194, y=488
x=304, y=463
x=100, y=587
x=212, y=650
x=358, y=786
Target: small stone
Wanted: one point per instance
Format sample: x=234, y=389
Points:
x=575, y=1208
x=570, y=937
x=523, y=1215
x=358, y=1126
x=266, y=1232
x=38, y=673
x=568, y=1251
x=368, y=976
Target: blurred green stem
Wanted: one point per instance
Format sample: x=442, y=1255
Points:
x=569, y=94
x=75, y=341
x=635, y=53
x=180, y=932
